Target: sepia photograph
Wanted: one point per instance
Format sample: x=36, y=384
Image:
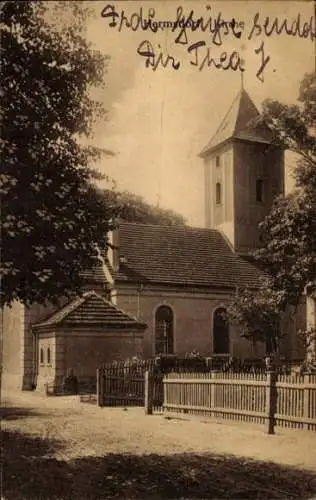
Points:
x=158, y=250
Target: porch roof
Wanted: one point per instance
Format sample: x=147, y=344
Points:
x=92, y=310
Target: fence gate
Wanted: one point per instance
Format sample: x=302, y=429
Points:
x=124, y=385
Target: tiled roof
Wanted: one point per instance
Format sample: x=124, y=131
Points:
x=181, y=256
x=237, y=124
x=92, y=310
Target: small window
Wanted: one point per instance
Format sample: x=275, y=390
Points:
x=42, y=356
x=48, y=356
x=218, y=193
x=259, y=190
x=218, y=161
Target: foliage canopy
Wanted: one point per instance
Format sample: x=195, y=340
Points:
x=51, y=218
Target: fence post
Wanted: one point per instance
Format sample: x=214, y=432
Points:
x=100, y=387
x=271, y=399
x=212, y=393
x=306, y=395
x=164, y=392
x=149, y=386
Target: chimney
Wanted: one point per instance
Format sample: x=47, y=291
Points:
x=113, y=296
x=113, y=249
x=106, y=271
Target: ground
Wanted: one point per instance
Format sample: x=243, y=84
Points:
x=59, y=448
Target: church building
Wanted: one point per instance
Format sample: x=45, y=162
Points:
x=179, y=280
x=164, y=289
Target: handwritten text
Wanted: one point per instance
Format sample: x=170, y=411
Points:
x=215, y=30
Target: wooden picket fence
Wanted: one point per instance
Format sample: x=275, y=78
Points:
x=296, y=401
x=268, y=399
x=122, y=383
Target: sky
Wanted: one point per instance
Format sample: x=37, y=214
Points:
x=158, y=121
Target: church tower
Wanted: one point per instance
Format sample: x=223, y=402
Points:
x=243, y=172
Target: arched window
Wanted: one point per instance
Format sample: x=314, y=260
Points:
x=220, y=332
x=164, y=330
x=48, y=356
x=218, y=193
x=42, y=356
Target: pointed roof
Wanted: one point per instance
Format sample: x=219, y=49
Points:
x=237, y=124
x=92, y=310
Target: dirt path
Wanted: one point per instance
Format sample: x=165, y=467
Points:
x=125, y=448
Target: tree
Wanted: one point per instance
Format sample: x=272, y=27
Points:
x=288, y=234
x=51, y=217
x=288, y=253
x=133, y=208
x=258, y=313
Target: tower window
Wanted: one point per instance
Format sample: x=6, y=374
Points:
x=48, y=356
x=42, y=356
x=259, y=190
x=218, y=161
x=218, y=193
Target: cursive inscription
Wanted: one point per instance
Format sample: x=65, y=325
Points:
x=216, y=27
x=153, y=59
x=215, y=30
x=201, y=57
x=136, y=21
x=264, y=62
x=275, y=26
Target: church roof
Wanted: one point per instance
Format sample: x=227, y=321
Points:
x=238, y=124
x=92, y=310
x=181, y=256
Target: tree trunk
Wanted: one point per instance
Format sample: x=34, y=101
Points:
x=1, y=352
